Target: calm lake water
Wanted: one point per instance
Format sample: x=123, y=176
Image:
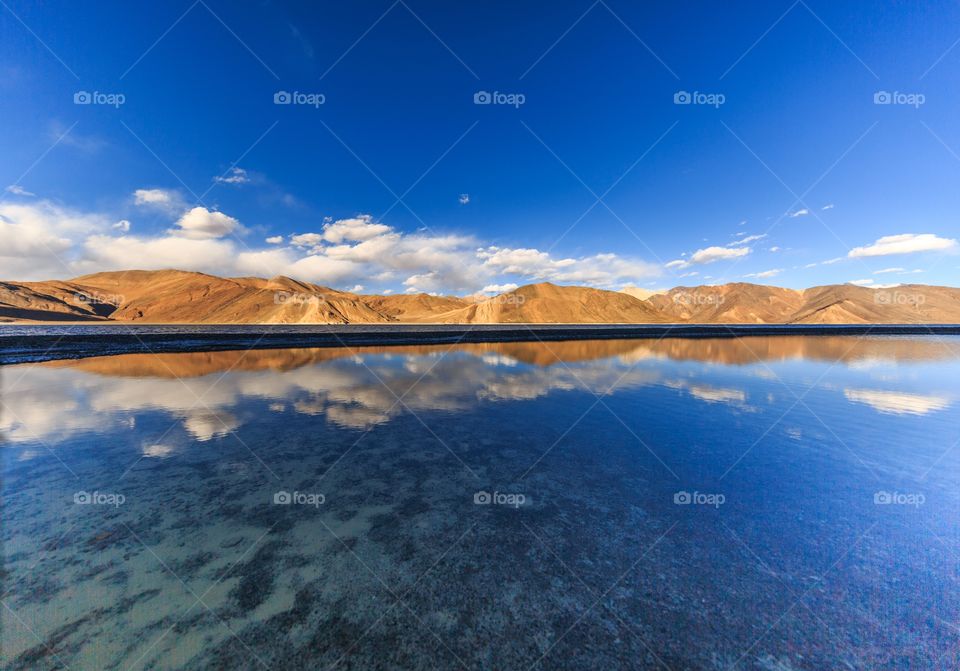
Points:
x=769, y=503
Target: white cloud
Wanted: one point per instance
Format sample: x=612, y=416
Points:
x=233, y=176
x=162, y=199
x=828, y=206
x=906, y=243
x=104, y=252
x=871, y=284
x=799, y=213
x=830, y=262
x=18, y=190
x=774, y=249
x=464, y=198
x=357, y=229
x=746, y=240
x=766, y=273
x=710, y=255
x=499, y=288
x=603, y=270
x=37, y=238
x=203, y=224
x=889, y=270
x=41, y=240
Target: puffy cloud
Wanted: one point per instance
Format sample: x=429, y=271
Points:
x=324, y=270
x=36, y=239
x=105, y=252
x=265, y=263
x=41, y=240
x=163, y=199
x=499, y=288
x=464, y=198
x=906, y=243
x=203, y=224
x=599, y=269
x=357, y=229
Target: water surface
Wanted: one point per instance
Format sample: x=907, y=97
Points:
x=760, y=503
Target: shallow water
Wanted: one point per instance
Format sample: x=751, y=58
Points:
x=762, y=503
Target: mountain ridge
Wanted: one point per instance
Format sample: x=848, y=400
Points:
x=178, y=296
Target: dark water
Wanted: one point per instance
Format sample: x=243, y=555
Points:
x=768, y=503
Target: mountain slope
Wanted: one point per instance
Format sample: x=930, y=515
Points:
x=415, y=307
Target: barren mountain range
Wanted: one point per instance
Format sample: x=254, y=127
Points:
x=175, y=296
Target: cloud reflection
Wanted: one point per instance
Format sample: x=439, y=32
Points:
x=897, y=403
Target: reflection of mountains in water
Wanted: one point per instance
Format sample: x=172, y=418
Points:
x=732, y=351
x=358, y=388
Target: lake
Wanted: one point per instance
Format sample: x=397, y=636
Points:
x=772, y=503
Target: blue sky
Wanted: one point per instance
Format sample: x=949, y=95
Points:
x=384, y=174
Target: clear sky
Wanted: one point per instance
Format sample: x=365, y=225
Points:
x=421, y=145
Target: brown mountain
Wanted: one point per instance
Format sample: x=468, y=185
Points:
x=735, y=303
x=416, y=307
x=547, y=303
x=174, y=296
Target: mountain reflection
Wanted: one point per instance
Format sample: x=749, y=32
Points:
x=733, y=351
x=361, y=388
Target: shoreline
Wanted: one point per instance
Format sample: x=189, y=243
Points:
x=79, y=341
